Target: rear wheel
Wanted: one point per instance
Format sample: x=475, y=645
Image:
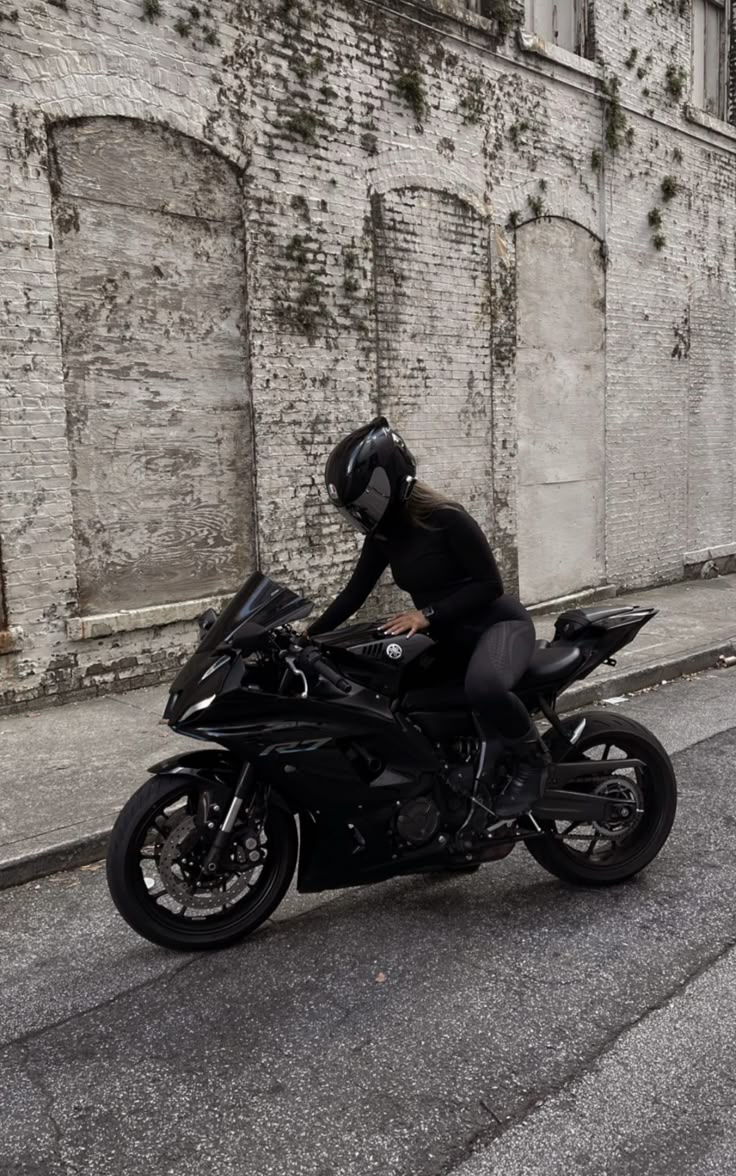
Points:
x=602, y=854
x=154, y=869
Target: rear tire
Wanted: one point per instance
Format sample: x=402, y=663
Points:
x=131, y=890
x=658, y=787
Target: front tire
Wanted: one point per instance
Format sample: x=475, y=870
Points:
x=152, y=863
x=617, y=853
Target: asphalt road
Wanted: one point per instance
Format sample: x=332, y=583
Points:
x=493, y=1025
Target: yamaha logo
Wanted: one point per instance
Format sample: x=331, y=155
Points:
x=394, y=652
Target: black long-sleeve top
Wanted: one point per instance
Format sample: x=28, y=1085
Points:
x=446, y=564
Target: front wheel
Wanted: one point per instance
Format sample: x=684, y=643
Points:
x=154, y=869
x=602, y=854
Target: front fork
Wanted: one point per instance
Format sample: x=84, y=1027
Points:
x=244, y=789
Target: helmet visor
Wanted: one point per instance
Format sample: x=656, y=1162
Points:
x=367, y=510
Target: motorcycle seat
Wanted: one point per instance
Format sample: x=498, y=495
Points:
x=549, y=664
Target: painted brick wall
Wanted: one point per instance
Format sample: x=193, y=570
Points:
x=328, y=114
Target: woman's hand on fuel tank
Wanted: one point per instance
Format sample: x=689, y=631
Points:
x=408, y=622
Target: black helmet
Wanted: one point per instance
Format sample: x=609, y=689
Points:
x=369, y=471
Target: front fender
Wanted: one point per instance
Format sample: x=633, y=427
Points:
x=212, y=765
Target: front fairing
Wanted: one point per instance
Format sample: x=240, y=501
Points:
x=219, y=664
x=205, y=676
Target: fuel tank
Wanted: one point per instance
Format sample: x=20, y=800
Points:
x=367, y=655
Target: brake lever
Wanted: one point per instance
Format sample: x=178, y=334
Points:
x=290, y=661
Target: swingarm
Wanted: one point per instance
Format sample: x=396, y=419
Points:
x=561, y=804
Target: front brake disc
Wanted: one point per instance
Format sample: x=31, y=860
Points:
x=179, y=868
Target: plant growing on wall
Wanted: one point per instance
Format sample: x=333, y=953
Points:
x=303, y=307
x=617, y=130
x=411, y=87
x=472, y=103
x=675, y=81
x=670, y=187
x=303, y=124
x=506, y=15
x=151, y=10
x=516, y=130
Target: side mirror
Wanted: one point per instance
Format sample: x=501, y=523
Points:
x=206, y=620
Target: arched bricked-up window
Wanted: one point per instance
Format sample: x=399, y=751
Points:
x=150, y=256
x=560, y=369
x=432, y=272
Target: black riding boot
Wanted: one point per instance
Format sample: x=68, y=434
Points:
x=526, y=784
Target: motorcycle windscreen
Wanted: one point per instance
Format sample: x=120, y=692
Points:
x=260, y=605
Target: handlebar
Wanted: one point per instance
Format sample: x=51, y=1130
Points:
x=311, y=659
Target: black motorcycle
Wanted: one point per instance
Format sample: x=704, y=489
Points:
x=357, y=736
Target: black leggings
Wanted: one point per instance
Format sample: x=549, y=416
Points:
x=498, y=662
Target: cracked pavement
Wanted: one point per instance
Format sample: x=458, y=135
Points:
x=494, y=1024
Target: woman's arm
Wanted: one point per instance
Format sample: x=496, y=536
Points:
x=475, y=560
x=372, y=563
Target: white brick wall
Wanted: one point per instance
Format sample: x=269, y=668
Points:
x=313, y=103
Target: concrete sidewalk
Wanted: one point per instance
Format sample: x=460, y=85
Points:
x=66, y=771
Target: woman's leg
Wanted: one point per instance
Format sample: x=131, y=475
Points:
x=496, y=666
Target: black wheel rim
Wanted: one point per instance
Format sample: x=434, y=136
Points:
x=165, y=857
x=610, y=845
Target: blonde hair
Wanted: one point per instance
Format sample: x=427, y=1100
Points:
x=423, y=502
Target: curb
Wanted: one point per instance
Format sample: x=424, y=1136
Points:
x=91, y=847
x=67, y=855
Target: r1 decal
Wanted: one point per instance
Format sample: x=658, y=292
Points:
x=291, y=748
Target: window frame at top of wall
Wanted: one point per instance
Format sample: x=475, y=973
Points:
x=529, y=41
x=725, y=125
x=525, y=42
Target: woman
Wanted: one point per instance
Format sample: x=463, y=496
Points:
x=439, y=556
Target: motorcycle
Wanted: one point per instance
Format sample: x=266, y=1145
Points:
x=346, y=756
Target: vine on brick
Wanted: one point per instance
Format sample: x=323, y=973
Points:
x=472, y=104
x=307, y=311
x=617, y=128
x=194, y=25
